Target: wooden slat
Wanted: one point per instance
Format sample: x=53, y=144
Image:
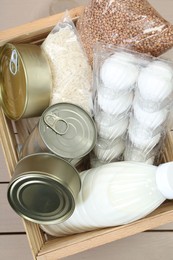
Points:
x=35, y=236
x=8, y=142
x=63, y=247
x=21, y=131
x=23, y=128
x=9, y=220
x=152, y=246
x=4, y=174
x=36, y=30
x=18, y=12
x=168, y=227
x=144, y=246
x=168, y=147
x=14, y=247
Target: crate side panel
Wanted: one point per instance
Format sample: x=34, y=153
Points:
x=66, y=246
x=37, y=30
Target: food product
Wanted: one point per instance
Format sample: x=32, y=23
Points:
x=71, y=71
x=135, y=24
x=142, y=137
x=132, y=153
x=149, y=120
x=118, y=72
x=113, y=104
x=161, y=68
x=109, y=150
x=117, y=194
x=155, y=83
x=137, y=87
x=110, y=127
x=64, y=129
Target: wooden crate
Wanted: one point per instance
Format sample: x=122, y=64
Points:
x=42, y=246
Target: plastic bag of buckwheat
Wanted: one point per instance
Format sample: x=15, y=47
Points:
x=133, y=24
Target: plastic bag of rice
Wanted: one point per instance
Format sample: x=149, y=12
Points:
x=71, y=72
x=134, y=24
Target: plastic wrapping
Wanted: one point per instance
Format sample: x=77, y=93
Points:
x=150, y=120
x=110, y=126
x=135, y=24
x=94, y=161
x=116, y=194
x=126, y=72
x=142, y=143
x=151, y=107
x=109, y=150
x=71, y=72
x=131, y=103
x=136, y=154
x=115, y=76
x=113, y=104
x=155, y=85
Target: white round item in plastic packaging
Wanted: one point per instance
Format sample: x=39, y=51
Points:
x=132, y=153
x=114, y=104
x=161, y=68
x=141, y=137
x=108, y=150
x=153, y=86
x=119, y=72
x=109, y=126
x=125, y=57
x=150, y=120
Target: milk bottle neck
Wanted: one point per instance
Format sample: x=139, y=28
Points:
x=164, y=179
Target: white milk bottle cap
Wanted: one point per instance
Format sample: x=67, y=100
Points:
x=164, y=179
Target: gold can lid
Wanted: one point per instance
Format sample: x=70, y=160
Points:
x=44, y=189
x=13, y=82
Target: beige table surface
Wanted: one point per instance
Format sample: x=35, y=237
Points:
x=153, y=245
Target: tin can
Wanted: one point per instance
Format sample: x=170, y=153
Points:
x=64, y=129
x=44, y=188
x=26, y=80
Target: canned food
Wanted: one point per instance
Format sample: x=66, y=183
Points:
x=64, y=129
x=26, y=80
x=44, y=188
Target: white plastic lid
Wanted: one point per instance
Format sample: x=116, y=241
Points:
x=164, y=179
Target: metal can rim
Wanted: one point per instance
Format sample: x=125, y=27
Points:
x=22, y=181
x=47, y=220
x=88, y=115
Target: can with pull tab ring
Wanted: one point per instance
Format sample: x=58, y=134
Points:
x=64, y=129
x=26, y=80
x=44, y=188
